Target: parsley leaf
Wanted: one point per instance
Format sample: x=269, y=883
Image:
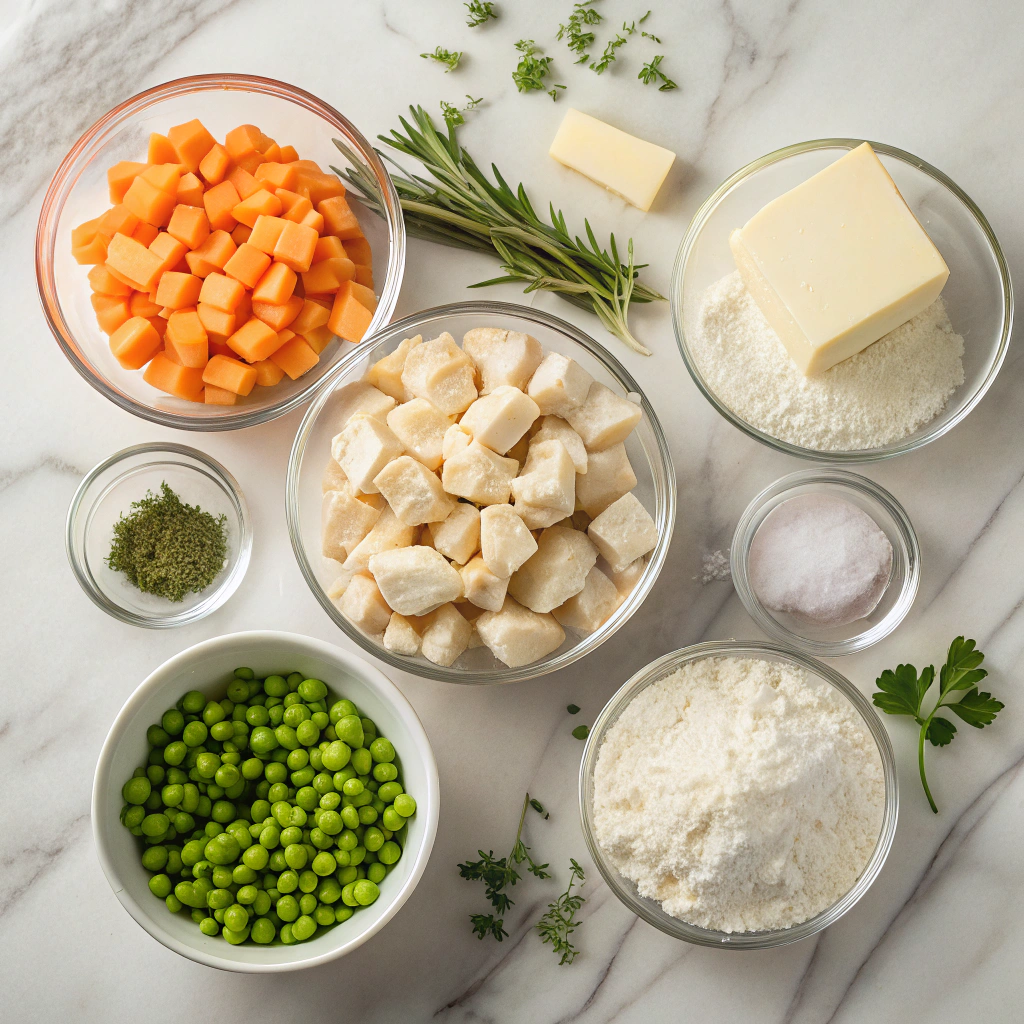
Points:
x=450, y=58
x=940, y=732
x=977, y=709
x=479, y=12
x=903, y=690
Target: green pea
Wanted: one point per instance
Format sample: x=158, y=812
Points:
x=373, y=839
x=270, y=837
x=174, y=753
x=369, y=730
x=222, y=731
x=157, y=737
x=246, y=895
x=405, y=805
x=340, y=778
x=365, y=892
x=299, y=817
x=330, y=801
x=348, y=893
x=385, y=771
x=303, y=777
x=389, y=791
x=263, y=931
x=376, y=872
x=172, y=795
x=312, y=689
x=350, y=729
x=236, y=938
x=307, y=903
x=222, y=811
x=262, y=740
x=262, y=903
x=155, y=774
x=296, y=856
x=275, y=772
x=307, y=733
x=257, y=716
x=331, y=823
x=183, y=822
x=154, y=858
x=155, y=825
x=389, y=853
x=160, y=885
x=303, y=928
x=193, y=702
x=194, y=734
x=320, y=840
x=256, y=857
x=244, y=673
x=362, y=761
x=277, y=860
x=173, y=722
x=323, y=783
x=286, y=737
x=392, y=819
x=295, y=715
x=328, y=890
x=287, y=908
x=297, y=759
x=227, y=775
x=222, y=849
x=238, y=689
x=348, y=840
x=276, y=715
x=208, y=926
x=324, y=864
x=323, y=915
x=367, y=815
x=137, y=790
x=213, y=713
x=382, y=749
x=173, y=903
x=336, y=756
x=341, y=708
x=219, y=899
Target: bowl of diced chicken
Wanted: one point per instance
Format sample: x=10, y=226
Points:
x=482, y=494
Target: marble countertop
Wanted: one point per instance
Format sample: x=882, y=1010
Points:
x=938, y=937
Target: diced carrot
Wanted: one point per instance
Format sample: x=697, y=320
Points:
x=180, y=381
x=245, y=184
x=215, y=165
x=120, y=176
x=295, y=357
x=265, y=233
x=187, y=334
x=145, y=233
x=111, y=311
x=276, y=285
x=294, y=207
x=311, y=315
x=329, y=247
x=212, y=255
x=160, y=150
x=268, y=373
x=169, y=249
x=218, y=396
x=338, y=218
x=189, y=225
x=350, y=319
x=242, y=141
x=319, y=337
x=140, y=304
x=247, y=265
x=168, y=350
x=261, y=203
x=243, y=311
x=219, y=202
x=159, y=325
x=272, y=152
x=217, y=322
x=103, y=281
x=313, y=182
x=134, y=261
x=191, y=142
x=149, y=203
x=327, y=301
x=276, y=175
x=190, y=190
x=314, y=220
x=288, y=154
x=278, y=317
x=327, y=276
x=84, y=233
x=358, y=251
x=117, y=219
x=240, y=233
x=295, y=245
x=254, y=341
x=250, y=162
x=94, y=251
x=176, y=291
x=364, y=276
x=134, y=343
x=219, y=348
x=165, y=177
x=222, y=292
x=230, y=374
x=363, y=295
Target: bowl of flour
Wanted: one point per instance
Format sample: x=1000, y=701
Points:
x=738, y=795
x=905, y=390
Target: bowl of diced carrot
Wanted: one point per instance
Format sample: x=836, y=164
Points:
x=199, y=258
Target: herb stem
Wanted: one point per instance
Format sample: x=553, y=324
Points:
x=920, y=759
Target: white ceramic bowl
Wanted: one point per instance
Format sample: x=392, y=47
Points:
x=201, y=667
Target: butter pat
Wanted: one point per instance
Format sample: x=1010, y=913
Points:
x=838, y=262
x=623, y=164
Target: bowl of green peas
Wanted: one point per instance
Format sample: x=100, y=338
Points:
x=265, y=802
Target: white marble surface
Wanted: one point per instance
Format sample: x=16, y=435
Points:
x=939, y=936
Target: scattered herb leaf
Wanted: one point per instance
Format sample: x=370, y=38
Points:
x=573, y=709
x=902, y=691
x=497, y=875
x=453, y=115
x=577, y=40
x=609, y=56
x=558, y=924
x=450, y=58
x=531, y=70
x=539, y=808
x=581, y=732
x=651, y=72
x=459, y=205
x=479, y=12
x=648, y=35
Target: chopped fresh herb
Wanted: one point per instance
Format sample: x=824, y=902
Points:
x=461, y=206
x=573, y=709
x=577, y=40
x=581, y=732
x=651, y=72
x=479, y=12
x=497, y=875
x=539, y=808
x=653, y=38
x=901, y=692
x=453, y=115
x=606, y=59
x=644, y=18
x=558, y=924
x=450, y=58
x=531, y=71
x=168, y=548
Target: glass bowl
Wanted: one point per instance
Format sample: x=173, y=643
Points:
x=904, y=577
x=200, y=667
x=647, y=448
x=650, y=910
x=107, y=492
x=978, y=294
x=78, y=192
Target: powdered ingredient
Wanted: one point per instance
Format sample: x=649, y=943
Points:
x=742, y=794
x=877, y=397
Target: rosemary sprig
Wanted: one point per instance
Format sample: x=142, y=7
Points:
x=453, y=202
x=455, y=116
x=651, y=72
x=479, y=12
x=531, y=70
x=577, y=40
x=450, y=58
x=558, y=924
x=497, y=875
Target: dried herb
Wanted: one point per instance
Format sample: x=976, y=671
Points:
x=168, y=548
x=651, y=72
x=558, y=924
x=577, y=40
x=450, y=58
x=531, y=70
x=479, y=12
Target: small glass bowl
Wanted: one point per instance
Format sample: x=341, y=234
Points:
x=904, y=578
x=647, y=448
x=650, y=910
x=108, y=491
x=978, y=294
x=79, y=192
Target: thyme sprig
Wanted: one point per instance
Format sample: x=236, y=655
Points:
x=579, y=41
x=450, y=58
x=558, y=924
x=601, y=65
x=455, y=203
x=480, y=11
x=651, y=72
x=455, y=116
x=531, y=70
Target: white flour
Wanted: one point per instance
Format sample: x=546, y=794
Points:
x=741, y=794
x=877, y=397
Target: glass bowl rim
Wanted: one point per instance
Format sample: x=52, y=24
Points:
x=696, y=226
x=642, y=906
x=236, y=570
x=65, y=178
x=744, y=535
x=612, y=365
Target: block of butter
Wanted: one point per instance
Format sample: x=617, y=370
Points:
x=622, y=163
x=838, y=262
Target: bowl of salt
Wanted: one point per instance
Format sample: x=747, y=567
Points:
x=826, y=561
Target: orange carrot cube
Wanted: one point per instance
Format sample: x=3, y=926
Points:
x=120, y=177
x=278, y=317
x=189, y=225
x=314, y=220
x=149, y=203
x=245, y=184
x=191, y=142
x=327, y=276
x=212, y=255
x=364, y=276
x=111, y=311
x=254, y=340
x=240, y=233
x=219, y=348
x=358, y=251
x=311, y=315
x=169, y=249
x=265, y=233
x=175, y=379
x=268, y=373
x=218, y=396
x=94, y=251
x=103, y=282
x=230, y=374
x=219, y=201
x=190, y=190
x=85, y=232
x=338, y=218
x=165, y=177
x=217, y=322
x=176, y=291
x=313, y=182
x=247, y=265
x=318, y=338
x=294, y=207
x=215, y=165
x=295, y=357
x=134, y=261
x=222, y=292
x=159, y=325
x=185, y=332
x=160, y=150
x=145, y=233
x=276, y=175
x=363, y=295
x=140, y=304
x=118, y=219
x=242, y=141
x=329, y=247
x=276, y=285
x=272, y=152
x=134, y=343
x=288, y=154
x=261, y=203
x=295, y=245
x=350, y=319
